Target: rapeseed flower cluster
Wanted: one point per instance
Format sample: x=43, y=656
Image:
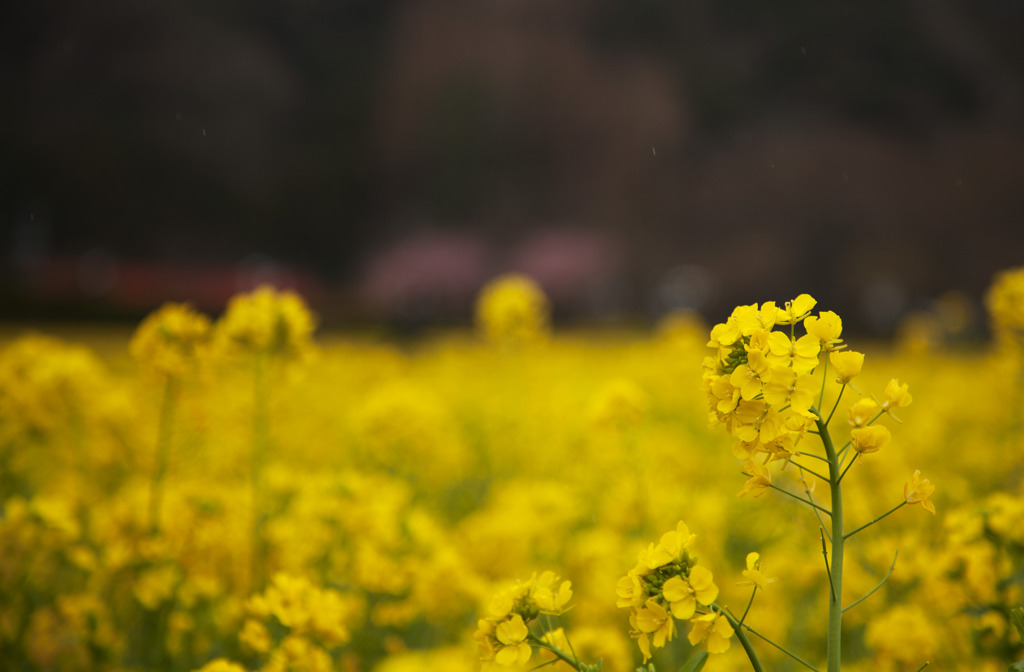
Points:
x=294, y=623
x=266, y=322
x=169, y=342
x=503, y=637
x=667, y=585
x=760, y=383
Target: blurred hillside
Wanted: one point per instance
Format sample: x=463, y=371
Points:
x=389, y=156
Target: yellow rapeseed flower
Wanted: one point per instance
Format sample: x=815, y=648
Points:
x=713, y=629
x=919, y=491
x=758, y=481
x=654, y=625
x=862, y=412
x=826, y=327
x=683, y=593
x=755, y=572
x=896, y=396
x=796, y=310
x=847, y=365
x=870, y=439
x=514, y=649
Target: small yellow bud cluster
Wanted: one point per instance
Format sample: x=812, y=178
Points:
x=668, y=584
x=503, y=637
x=512, y=311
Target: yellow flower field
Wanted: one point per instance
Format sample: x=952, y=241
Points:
x=238, y=493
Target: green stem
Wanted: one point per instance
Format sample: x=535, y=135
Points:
x=561, y=655
x=163, y=441
x=877, y=416
x=737, y=626
x=766, y=640
x=880, y=584
x=747, y=610
x=852, y=460
x=835, y=609
x=866, y=525
x=802, y=469
x=817, y=457
x=828, y=571
x=842, y=451
x=797, y=497
x=835, y=405
x=810, y=498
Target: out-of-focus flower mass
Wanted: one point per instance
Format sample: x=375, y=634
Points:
x=368, y=511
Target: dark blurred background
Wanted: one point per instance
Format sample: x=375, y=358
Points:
x=387, y=157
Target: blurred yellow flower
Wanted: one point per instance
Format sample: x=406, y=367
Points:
x=870, y=439
x=1005, y=303
x=548, y=598
x=896, y=395
x=862, y=412
x=671, y=546
x=266, y=321
x=255, y=636
x=758, y=481
x=713, y=629
x=221, y=665
x=904, y=634
x=512, y=310
x=919, y=491
x=170, y=339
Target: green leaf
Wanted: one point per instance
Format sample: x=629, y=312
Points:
x=1016, y=667
x=1017, y=616
x=695, y=663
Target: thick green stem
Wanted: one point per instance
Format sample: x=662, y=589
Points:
x=835, y=607
x=163, y=442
